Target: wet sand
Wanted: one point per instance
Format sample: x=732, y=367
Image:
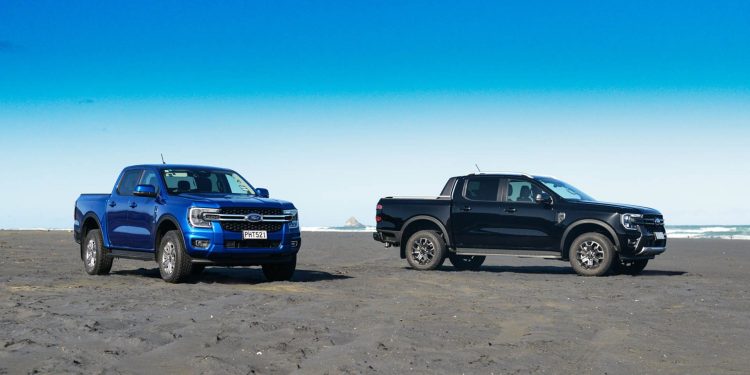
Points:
x=354, y=307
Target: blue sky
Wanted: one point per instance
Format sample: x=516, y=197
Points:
x=334, y=104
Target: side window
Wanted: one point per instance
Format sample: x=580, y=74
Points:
x=128, y=181
x=150, y=178
x=521, y=191
x=482, y=189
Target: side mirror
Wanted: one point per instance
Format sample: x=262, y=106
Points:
x=145, y=191
x=262, y=193
x=543, y=198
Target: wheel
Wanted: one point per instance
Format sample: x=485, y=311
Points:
x=425, y=250
x=174, y=263
x=632, y=267
x=95, y=260
x=466, y=262
x=592, y=254
x=280, y=271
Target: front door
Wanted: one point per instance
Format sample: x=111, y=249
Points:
x=119, y=229
x=142, y=215
x=526, y=224
x=476, y=215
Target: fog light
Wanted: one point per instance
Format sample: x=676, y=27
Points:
x=295, y=244
x=201, y=243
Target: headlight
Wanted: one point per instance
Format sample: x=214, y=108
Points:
x=294, y=223
x=198, y=219
x=629, y=220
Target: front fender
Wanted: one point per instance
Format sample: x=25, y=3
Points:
x=600, y=223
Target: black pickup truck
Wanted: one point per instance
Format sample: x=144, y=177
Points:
x=519, y=215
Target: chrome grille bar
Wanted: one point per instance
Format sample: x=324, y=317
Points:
x=233, y=217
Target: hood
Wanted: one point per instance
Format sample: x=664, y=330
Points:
x=620, y=207
x=237, y=200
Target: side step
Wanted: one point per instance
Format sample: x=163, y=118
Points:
x=510, y=253
x=132, y=254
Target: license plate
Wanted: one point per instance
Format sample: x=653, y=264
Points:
x=659, y=235
x=254, y=235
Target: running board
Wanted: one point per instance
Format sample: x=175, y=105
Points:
x=132, y=254
x=509, y=253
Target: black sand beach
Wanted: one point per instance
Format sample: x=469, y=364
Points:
x=354, y=307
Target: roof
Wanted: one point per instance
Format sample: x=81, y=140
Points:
x=501, y=173
x=177, y=166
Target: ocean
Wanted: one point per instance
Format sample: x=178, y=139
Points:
x=731, y=232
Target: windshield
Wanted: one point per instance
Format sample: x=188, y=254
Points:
x=179, y=181
x=564, y=190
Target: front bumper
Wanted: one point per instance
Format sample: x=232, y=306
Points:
x=229, y=248
x=651, y=251
x=642, y=243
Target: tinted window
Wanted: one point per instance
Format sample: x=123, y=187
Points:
x=521, y=191
x=482, y=189
x=129, y=181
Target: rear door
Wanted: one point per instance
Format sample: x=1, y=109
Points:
x=476, y=216
x=119, y=229
x=527, y=225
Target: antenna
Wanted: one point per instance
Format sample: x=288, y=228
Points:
x=162, y=159
x=478, y=170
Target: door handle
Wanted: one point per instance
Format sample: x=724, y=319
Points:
x=510, y=210
x=466, y=208
x=112, y=203
x=133, y=205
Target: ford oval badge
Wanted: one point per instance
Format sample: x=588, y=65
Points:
x=254, y=218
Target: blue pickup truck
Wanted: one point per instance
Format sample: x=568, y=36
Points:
x=185, y=218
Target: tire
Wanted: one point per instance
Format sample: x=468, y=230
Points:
x=592, y=254
x=95, y=259
x=425, y=250
x=174, y=263
x=633, y=267
x=466, y=262
x=280, y=271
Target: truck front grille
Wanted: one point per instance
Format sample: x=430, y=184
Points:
x=239, y=226
x=654, y=223
x=251, y=210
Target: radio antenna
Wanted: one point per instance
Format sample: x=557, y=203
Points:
x=162, y=159
x=478, y=170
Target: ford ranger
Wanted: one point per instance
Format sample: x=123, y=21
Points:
x=519, y=215
x=185, y=218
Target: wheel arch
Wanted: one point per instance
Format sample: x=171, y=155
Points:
x=585, y=226
x=165, y=224
x=422, y=222
x=90, y=221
